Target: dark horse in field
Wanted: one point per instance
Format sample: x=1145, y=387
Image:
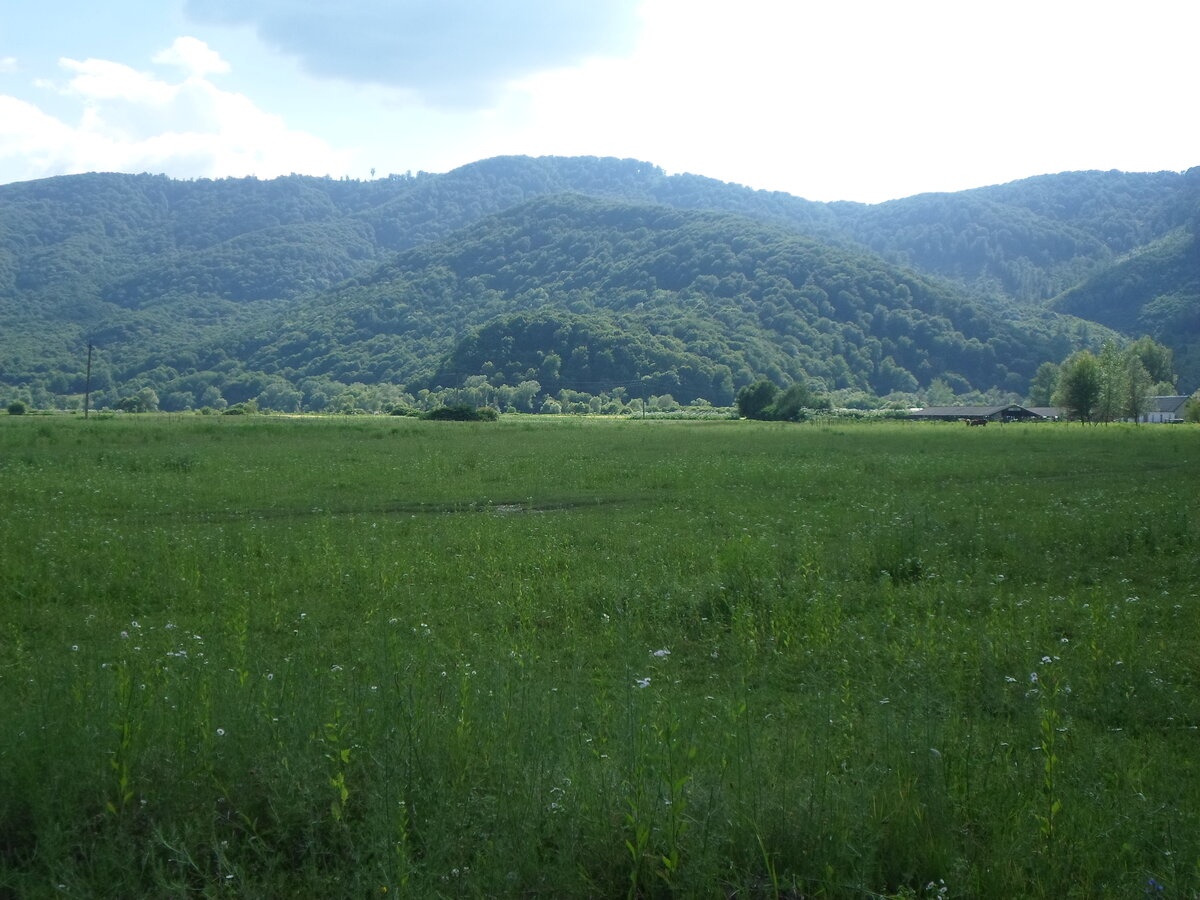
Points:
x=976, y=421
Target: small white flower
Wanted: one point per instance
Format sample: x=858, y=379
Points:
x=1033, y=678
x=661, y=653
x=642, y=682
x=220, y=732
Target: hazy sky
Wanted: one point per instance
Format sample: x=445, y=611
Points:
x=834, y=100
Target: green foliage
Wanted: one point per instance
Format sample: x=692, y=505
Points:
x=249, y=408
x=17, y=408
x=1191, y=409
x=763, y=400
x=1137, y=387
x=145, y=400
x=461, y=412
x=1079, y=386
x=755, y=399
x=1114, y=385
x=1041, y=388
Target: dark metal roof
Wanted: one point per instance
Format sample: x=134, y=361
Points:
x=976, y=412
x=960, y=412
x=1172, y=404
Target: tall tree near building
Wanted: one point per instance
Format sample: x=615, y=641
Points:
x=1111, y=364
x=1139, y=388
x=1041, y=388
x=1078, y=390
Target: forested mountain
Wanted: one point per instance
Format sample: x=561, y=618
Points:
x=589, y=295
x=1154, y=291
x=1030, y=239
x=229, y=289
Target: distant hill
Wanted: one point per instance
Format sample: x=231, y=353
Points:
x=228, y=289
x=642, y=296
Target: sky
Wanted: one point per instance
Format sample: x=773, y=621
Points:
x=864, y=100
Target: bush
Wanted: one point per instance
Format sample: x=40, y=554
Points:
x=461, y=412
x=17, y=408
x=249, y=408
x=1191, y=410
x=753, y=400
x=763, y=400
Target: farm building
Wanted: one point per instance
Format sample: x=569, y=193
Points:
x=1008, y=413
x=1165, y=409
x=1051, y=413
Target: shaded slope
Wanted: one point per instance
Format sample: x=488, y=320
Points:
x=1029, y=239
x=1155, y=291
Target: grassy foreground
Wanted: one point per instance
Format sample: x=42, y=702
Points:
x=583, y=658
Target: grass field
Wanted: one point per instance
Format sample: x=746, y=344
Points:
x=596, y=658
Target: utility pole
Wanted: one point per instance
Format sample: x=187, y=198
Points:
x=87, y=386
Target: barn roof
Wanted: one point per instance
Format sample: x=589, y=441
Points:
x=1007, y=411
x=1171, y=404
x=960, y=412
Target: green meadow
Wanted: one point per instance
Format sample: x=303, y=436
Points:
x=380, y=657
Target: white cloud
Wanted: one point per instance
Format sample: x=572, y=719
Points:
x=29, y=136
x=193, y=56
x=8, y=64
x=99, y=79
x=451, y=53
x=131, y=121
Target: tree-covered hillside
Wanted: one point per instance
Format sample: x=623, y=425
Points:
x=1155, y=291
x=1031, y=239
x=189, y=287
x=589, y=295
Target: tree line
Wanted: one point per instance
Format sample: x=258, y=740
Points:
x=1111, y=385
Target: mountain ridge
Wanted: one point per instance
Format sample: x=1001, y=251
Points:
x=172, y=275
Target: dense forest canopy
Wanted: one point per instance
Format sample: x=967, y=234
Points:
x=587, y=276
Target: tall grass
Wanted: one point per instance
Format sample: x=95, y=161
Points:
x=597, y=658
